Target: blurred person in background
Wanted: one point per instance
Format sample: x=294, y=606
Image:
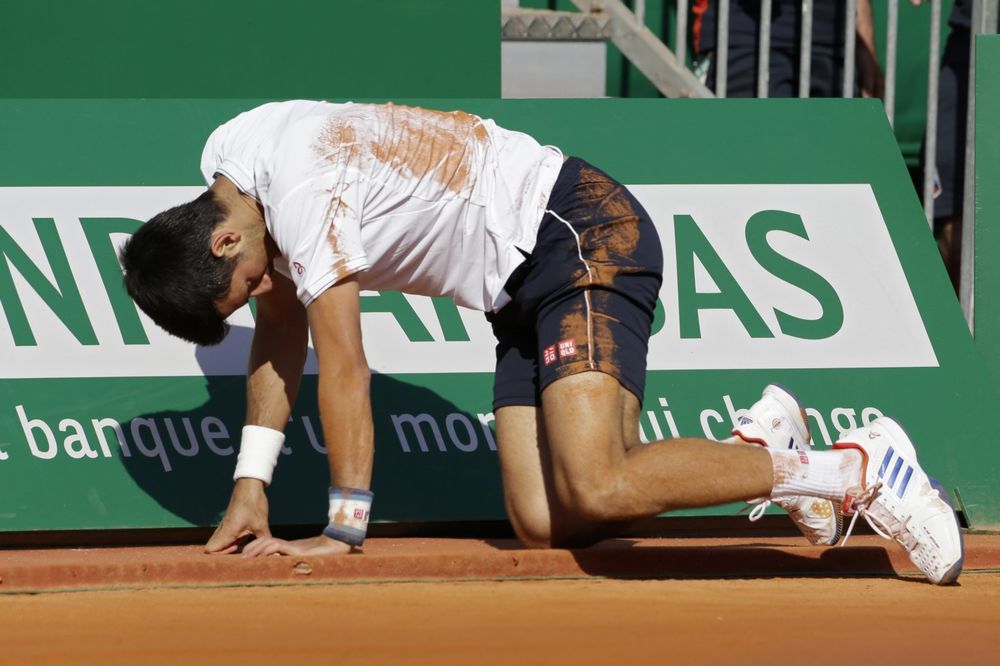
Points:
x=827, y=75
x=949, y=158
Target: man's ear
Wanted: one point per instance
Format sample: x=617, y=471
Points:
x=225, y=243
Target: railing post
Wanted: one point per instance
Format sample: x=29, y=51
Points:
x=764, y=50
x=805, y=49
x=680, y=40
x=891, y=47
x=850, y=43
x=984, y=20
x=722, y=49
x=930, y=136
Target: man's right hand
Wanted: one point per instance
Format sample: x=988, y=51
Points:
x=246, y=516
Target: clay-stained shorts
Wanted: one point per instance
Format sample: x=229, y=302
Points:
x=584, y=299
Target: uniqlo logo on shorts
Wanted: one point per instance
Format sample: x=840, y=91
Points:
x=567, y=348
x=549, y=355
x=359, y=514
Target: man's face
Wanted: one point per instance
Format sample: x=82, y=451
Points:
x=252, y=277
x=242, y=237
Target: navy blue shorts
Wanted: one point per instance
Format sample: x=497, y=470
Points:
x=583, y=300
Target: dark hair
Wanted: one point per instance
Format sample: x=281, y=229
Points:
x=172, y=275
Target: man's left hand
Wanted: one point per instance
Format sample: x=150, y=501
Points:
x=319, y=545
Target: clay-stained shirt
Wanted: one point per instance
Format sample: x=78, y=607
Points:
x=409, y=199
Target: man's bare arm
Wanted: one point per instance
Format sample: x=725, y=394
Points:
x=344, y=378
x=344, y=407
x=871, y=81
x=277, y=356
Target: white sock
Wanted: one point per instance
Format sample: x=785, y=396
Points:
x=826, y=474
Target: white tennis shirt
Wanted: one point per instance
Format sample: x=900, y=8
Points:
x=409, y=199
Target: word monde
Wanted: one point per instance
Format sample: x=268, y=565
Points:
x=756, y=276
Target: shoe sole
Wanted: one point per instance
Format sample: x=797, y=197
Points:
x=952, y=574
x=898, y=434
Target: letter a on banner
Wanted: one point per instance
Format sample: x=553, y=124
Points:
x=692, y=244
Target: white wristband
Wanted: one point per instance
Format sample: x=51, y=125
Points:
x=259, y=451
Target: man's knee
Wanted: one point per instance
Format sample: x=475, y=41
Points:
x=591, y=497
x=532, y=523
x=551, y=533
x=534, y=538
x=539, y=527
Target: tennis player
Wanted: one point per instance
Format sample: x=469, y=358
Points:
x=310, y=202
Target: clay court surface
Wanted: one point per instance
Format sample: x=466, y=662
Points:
x=448, y=602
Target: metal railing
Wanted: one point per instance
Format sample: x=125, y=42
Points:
x=930, y=135
x=891, y=47
x=984, y=20
x=626, y=28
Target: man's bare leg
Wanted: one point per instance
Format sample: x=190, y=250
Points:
x=597, y=478
x=538, y=518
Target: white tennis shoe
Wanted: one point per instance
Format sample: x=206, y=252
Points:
x=778, y=421
x=901, y=502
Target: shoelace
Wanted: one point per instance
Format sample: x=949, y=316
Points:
x=759, y=510
x=860, y=506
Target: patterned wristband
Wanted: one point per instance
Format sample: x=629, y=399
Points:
x=349, y=511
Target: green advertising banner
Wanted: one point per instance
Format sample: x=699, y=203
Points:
x=987, y=220
x=796, y=251
x=249, y=48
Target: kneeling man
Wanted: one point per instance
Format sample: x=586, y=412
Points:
x=312, y=202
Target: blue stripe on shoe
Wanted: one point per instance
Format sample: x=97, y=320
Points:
x=904, y=482
x=895, y=472
x=885, y=462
